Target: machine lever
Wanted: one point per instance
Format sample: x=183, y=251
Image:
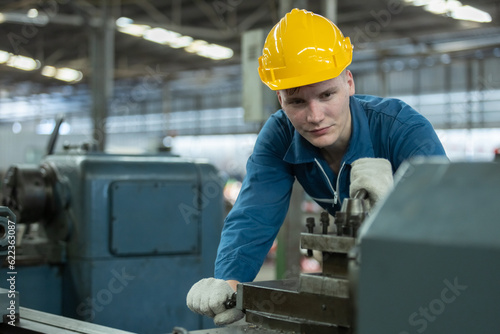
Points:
x=230, y=302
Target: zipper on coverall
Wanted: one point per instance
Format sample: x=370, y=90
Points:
x=336, y=194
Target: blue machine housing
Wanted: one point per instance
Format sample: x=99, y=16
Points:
x=141, y=230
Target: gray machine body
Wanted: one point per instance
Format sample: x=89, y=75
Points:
x=430, y=254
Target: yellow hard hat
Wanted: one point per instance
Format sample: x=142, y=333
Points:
x=303, y=48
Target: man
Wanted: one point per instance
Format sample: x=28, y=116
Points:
x=332, y=141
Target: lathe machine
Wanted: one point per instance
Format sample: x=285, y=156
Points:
x=425, y=260
x=114, y=240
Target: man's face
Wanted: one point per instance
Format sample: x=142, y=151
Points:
x=320, y=112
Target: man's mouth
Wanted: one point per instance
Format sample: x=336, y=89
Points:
x=320, y=131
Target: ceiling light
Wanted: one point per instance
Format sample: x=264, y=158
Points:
x=4, y=56
x=2, y=18
x=442, y=6
x=64, y=73
x=418, y=2
x=173, y=39
x=181, y=42
x=23, y=63
x=49, y=71
x=160, y=35
x=452, y=8
x=195, y=46
x=470, y=13
x=68, y=74
x=137, y=30
x=215, y=52
x=32, y=13
x=124, y=21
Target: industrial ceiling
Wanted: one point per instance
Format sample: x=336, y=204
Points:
x=59, y=33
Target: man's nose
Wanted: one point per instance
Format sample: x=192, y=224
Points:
x=315, y=112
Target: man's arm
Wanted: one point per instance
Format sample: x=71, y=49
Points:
x=251, y=226
x=255, y=219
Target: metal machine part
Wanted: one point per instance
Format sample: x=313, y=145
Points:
x=38, y=194
x=353, y=212
x=313, y=303
x=118, y=229
x=36, y=322
x=9, y=298
x=429, y=256
x=232, y=329
x=27, y=190
x=424, y=261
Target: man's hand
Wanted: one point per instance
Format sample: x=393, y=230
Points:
x=207, y=297
x=374, y=175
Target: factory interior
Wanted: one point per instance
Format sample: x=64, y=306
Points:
x=125, y=131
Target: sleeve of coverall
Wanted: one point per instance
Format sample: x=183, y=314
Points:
x=255, y=219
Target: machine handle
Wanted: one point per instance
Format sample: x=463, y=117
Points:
x=230, y=302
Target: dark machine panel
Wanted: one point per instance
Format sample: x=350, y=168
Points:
x=162, y=220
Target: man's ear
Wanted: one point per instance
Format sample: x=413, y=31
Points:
x=350, y=82
x=279, y=98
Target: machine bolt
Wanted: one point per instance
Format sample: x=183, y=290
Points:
x=310, y=229
x=310, y=224
x=325, y=221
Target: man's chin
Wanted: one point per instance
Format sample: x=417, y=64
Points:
x=320, y=142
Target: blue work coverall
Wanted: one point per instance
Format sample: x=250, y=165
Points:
x=381, y=128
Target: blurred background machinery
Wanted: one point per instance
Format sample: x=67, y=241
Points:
x=115, y=240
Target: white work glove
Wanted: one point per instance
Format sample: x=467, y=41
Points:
x=207, y=297
x=374, y=175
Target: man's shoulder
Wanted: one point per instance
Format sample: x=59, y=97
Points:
x=386, y=105
x=376, y=107
x=279, y=120
x=276, y=132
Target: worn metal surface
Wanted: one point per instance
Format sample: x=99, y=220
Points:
x=324, y=285
x=34, y=322
x=239, y=329
x=326, y=243
x=352, y=214
x=285, y=324
x=282, y=298
x=335, y=264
